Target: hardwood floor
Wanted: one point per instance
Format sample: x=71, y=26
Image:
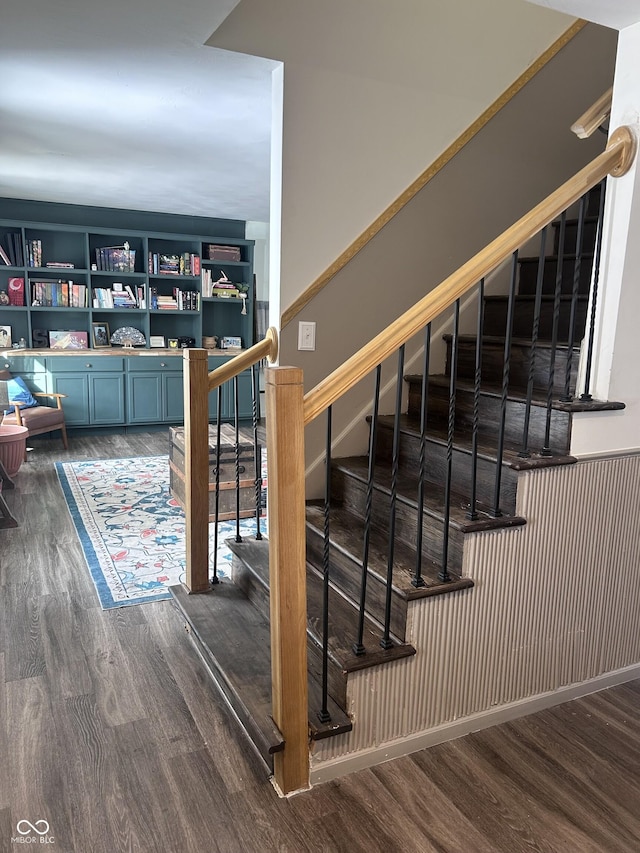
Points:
x=111, y=733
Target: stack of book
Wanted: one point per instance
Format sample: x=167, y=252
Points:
x=58, y=294
x=116, y=258
x=13, y=256
x=119, y=296
x=34, y=253
x=186, y=263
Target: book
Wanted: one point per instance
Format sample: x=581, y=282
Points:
x=16, y=291
x=4, y=257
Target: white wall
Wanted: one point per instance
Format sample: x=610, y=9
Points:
x=373, y=93
x=617, y=341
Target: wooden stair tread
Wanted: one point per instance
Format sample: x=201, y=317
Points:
x=343, y=614
x=538, y=398
x=347, y=529
x=234, y=641
x=343, y=624
x=486, y=450
x=498, y=341
x=407, y=488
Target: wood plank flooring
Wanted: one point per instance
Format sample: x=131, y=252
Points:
x=110, y=731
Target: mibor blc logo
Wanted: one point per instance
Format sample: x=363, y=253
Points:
x=33, y=833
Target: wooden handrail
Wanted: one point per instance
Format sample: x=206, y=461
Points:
x=615, y=160
x=592, y=118
x=266, y=348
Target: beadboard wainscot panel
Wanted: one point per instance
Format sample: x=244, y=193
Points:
x=553, y=615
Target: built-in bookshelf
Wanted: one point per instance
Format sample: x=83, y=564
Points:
x=167, y=286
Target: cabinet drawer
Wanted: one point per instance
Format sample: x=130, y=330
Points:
x=88, y=362
x=154, y=364
x=23, y=364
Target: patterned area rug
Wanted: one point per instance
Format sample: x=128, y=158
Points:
x=132, y=530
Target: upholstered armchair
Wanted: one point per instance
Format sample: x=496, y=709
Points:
x=22, y=408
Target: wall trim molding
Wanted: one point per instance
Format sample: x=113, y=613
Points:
x=430, y=172
x=326, y=771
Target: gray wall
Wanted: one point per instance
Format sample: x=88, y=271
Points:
x=522, y=155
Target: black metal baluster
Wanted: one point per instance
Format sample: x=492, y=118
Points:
x=567, y=396
x=386, y=642
x=524, y=452
x=472, y=513
x=443, y=574
x=594, y=295
x=257, y=450
x=496, y=512
x=323, y=714
x=418, y=580
x=215, y=579
x=546, y=449
x=236, y=423
x=358, y=646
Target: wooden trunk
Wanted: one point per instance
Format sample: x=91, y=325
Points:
x=227, y=504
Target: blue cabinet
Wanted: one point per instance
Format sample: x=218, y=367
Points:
x=154, y=390
x=94, y=388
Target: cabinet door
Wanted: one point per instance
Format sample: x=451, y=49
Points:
x=106, y=398
x=144, y=398
x=76, y=405
x=173, y=397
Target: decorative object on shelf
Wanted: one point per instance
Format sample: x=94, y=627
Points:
x=173, y=343
x=224, y=253
x=209, y=341
x=4, y=297
x=186, y=341
x=100, y=335
x=231, y=342
x=68, y=340
x=40, y=339
x=5, y=337
x=127, y=336
x=156, y=342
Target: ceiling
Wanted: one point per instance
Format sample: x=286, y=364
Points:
x=120, y=104
x=616, y=14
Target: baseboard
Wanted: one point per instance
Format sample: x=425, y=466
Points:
x=328, y=770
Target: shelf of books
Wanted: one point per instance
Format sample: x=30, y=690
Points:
x=174, y=289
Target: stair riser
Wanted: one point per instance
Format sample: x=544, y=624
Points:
x=436, y=472
x=529, y=276
x=258, y=595
x=245, y=579
x=345, y=573
x=571, y=234
x=495, y=318
x=336, y=678
x=489, y=417
x=493, y=362
x=352, y=492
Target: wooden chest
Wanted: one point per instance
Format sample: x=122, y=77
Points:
x=227, y=480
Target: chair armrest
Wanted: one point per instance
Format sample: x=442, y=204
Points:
x=47, y=394
x=58, y=397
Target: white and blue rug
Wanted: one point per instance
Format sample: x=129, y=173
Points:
x=132, y=530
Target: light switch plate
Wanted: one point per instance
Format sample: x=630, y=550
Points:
x=306, y=336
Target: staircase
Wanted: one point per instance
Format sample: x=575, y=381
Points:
x=462, y=440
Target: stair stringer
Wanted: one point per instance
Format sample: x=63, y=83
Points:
x=544, y=623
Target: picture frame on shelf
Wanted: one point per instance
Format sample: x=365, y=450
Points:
x=157, y=342
x=100, y=336
x=65, y=339
x=173, y=343
x=5, y=337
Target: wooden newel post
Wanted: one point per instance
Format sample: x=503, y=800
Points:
x=196, y=468
x=288, y=588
